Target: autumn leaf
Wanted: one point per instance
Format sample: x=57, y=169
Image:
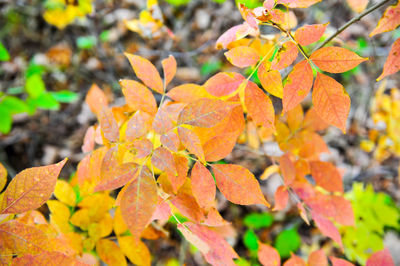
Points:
x=138, y=96
x=65, y=193
x=331, y=102
x=326, y=176
x=298, y=3
x=309, y=34
x=336, y=59
x=170, y=140
x=288, y=169
x=389, y=21
x=341, y=262
x=286, y=56
x=166, y=117
x=169, y=68
x=242, y=56
x=108, y=124
x=136, y=251
x=270, y=79
x=31, y=188
x=187, y=93
x=219, y=147
x=357, y=5
x=318, y=258
x=259, y=106
x=203, y=186
x=191, y=142
x=235, y=33
x=382, y=257
x=110, y=252
x=281, y=198
x=138, y=125
x=164, y=160
x=3, y=176
x=238, y=184
x=295, y=261
x=118, y=177
x=268, y=256
x=96, y=99
x=146, y=72
x=327, y=228
x=392, y=64
x=47, y=258
x=223, y=83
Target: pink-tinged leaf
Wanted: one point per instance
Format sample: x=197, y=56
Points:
x=30, y=188
x=331, y=102
x=170, y=140
x=117, y=177
x=47, y=258
x=281, y=198
x=389, y=21
x=295, y=261
x=392, y=64
x=146, y=72
x=181, y=165
x=238, y=184
x=269, y=4
x=336, y=59
x=326, y=176
x=203, y=186
x=223, y=83
x=286, y=56
x=270, y=79
x=162, y=212
x=259, y=106
x=139, y=201
x=298, y=85
x=166, y=117
x=220, y=146
x=108, y=124
x=138, y=96
x=142, y=147
x=169, y=68
x=327, y=228
x=248, y=16
x=191, y=142
x=205, y=112
x=268, y=256
x=309, y=34
x=298, y=3
x=214, y=218
x=358, y=5
x=242, y=56
x=288, y=169
x=235, y=33
x=379, y=258
x=164, y=160
x=187, y=93
x=188, y=206
x=138, y=125
x=342, y=262
x=96, y=99
x=88, y=140
x=318, y=258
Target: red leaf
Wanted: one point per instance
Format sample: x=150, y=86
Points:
x=203, y=186
x=259, y=106
x=392, y=64
x=379, y=258
x=170, y=140
x=242, y=56
x=268, y=256
x=295, y=261
x=309, y=34
x=166, y=117
x=169, y=67
x=358, y=5
x=47, y=258
x=118, y=177
x=88, y=140
x=219, y=147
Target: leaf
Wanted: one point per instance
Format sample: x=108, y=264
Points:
x=336, y=59
x=4, y=55
x=318, y=258
x=110, y=252
x=298, y=3
x=181, y=164
x=223, y=83
x=138, y=125
x=327, y=176
x=3, y=176
x=341, y=262
x=35, y=86
x=187, y=205
x=65, y=193
x=65, y=96
x=270, y=79
x=382, y=257
x=392, y=64
x=298, y=84
x=331, y=102
x=118, y=177
x=170, y=140
x=327, y=228
x=238, y=184
x=288, y=169
x=13, y=104
x=108, y=124
x=357, y=5
x=5, y=120
x=191, y=142
x=268, y=256
x=30, y=188
x=47, y=258
x=258, y=220
x=287, y=241
x=89, y=139
x=250, y=240
x=139, y=202
x=203, y=186
x=259, y=106
x=169, y=68
x=235, y=33
x=146, y=72
x=138, y=96
x=219, y=147
x=286, y=56
x=242, y=56
x=309, y=34
x=187, y=93
x=164, y=160
x=389, y=21
x=295, y=261
x=96, y=99
x=136, y=251
x=166, y=117
x=281, y=198
x=205, y=112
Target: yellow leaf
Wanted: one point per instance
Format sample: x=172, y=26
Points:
x=59, y=216
x=272, y=169
x=81, y=219
x=65, y=193
x=119, y=223
x=3, y=176
x=75, y=241
x=110, y=253
x=96, y=211
x=136, y=251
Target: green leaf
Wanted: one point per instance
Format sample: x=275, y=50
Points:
x=4, y=55
x=242, y=262
x=15, y=90
x=177, y=2
x=258, y=220
x=45, y=101
x=65, y=96
x=250, y=3
x=210, y=68
x=287, y=241
x=14, y=105
x=250, y=240
x=86, y=42
x=5, y=120
x=34, y=69
x=35, y=86
x=105, y=36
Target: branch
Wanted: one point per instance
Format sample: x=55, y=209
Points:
x=353, y=20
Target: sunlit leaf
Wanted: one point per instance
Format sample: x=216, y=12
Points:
x=110, y=252
x=389, y=21
x=392, y=64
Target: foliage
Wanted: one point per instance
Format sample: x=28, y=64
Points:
x=60, y=13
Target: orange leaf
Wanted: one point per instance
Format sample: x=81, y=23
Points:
x=331, y=102
x=281, y=198
x=336, y=59
x=313, y=122
x=166, y=117
x=203, y=186
x=295, y=118
x=146, y=72
x=96, y=99
x=223, y=83
x=219, y=147
x=117, y=177
x=142, y=148
x=47, y=258
x=298, y=3
x=138, y=96
x=327, y=176
x=188, y=206
x=389, y=21
x=3, y=176
x=238, y=184
x=268, y=256
x=169, y=69
x=191, y=142
x=299, y=83
x=270, y=79
x=164, y=160
x=205, y=112
x=357, y=5
x=139, y=202
x=31, y=188
x=108, y=124
x=170, y=140
x=242, y=56
x=286, y=56
x=342, y=262
x=88, y=140
x=235, y=33
x=327, y=228
x=382, y=257
x=138, y=125
x=317, y=258
x=259, y=106
x=295, y=261
x=187, y=93
x=110, y=252
x=288, y=169
x=392, y=64
x=309, y=34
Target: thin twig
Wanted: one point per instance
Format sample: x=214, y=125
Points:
x=352, y=21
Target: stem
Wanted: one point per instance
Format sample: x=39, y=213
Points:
x=352, y=21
